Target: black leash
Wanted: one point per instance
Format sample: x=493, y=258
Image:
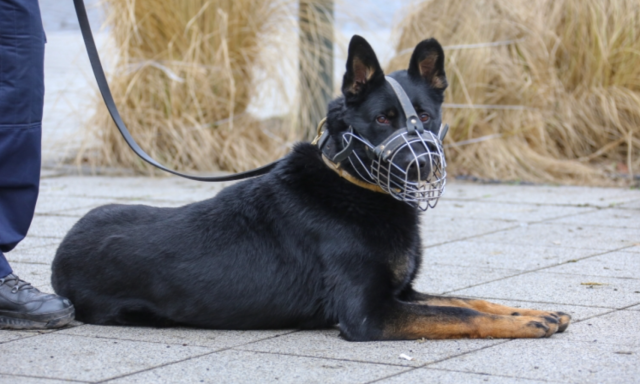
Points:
x=101, y=79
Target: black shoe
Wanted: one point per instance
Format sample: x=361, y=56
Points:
x=24, y=307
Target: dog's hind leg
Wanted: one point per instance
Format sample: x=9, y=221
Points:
x=140, y=313
x=112, y=311
x=487, y=307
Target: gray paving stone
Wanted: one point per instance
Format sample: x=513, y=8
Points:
x=553, y=360
x=34, y=242
x=538, y=194
x=9, y=379
x=567, y=195
x=327, y=344
x=76, y=213
x=437, y=376
x=615, y=218
x=460, y=190
x=567, y=235
x=561, y=289
x=614, y=264
x=9, y=335
x=101, y=187
x=165, y=188
x=251, y=367
x=478, y=253
x=620, y=328
x=440, y=229
x=191, y=193
x=38, y=255
x=507, y=212
x=48, y=204
x=68, y=357
x=215, y=339
x=51, y=226
x=633, y=205
x=439, y=278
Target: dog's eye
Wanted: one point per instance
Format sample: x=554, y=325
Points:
x=382, y=119
x=424, y=117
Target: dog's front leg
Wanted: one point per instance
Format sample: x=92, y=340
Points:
x=414, y=321
x=485, y=307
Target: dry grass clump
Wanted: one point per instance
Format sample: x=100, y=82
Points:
x=184, y=75
x=560, y=92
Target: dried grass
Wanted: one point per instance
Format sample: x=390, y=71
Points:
x=184, y=76
x=570, y=70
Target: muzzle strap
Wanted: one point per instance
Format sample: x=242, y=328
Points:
x=321, y=140
x=413, y=123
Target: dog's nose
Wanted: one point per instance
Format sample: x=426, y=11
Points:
x=424, y=167
x=419, y=168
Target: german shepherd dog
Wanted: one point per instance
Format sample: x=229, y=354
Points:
x=299, y=247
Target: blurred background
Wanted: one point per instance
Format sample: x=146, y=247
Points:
x=545, y=91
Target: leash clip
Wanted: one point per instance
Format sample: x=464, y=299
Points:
x=319, y=133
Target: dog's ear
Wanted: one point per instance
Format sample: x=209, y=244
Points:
x=363, y=69
x=427, y=62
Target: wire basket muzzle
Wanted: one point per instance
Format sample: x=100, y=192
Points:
x=411, y=167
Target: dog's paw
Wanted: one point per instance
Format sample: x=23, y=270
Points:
x=563, y=319
x=552, y=323
x=538, y=328
x=518, y=327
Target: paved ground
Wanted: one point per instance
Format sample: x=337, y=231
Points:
x=560, y=248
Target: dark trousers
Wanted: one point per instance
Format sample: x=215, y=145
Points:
x=21, y=100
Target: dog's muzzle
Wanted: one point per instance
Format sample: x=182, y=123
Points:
x=409, y=164
x=411, y=167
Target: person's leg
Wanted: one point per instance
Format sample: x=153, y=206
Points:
x=21, y=102
x=19, y=182
x=5, y=268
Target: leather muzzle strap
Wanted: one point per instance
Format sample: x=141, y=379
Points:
x=320, y=140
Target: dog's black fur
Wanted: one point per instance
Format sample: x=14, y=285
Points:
x=298, y=247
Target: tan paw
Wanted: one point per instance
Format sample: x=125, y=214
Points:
x=517, y=327
x=563, y=318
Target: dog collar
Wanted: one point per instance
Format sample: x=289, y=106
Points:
x=350, y=178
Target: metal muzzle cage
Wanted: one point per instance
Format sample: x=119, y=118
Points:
x=411, y=167
x=409, y=164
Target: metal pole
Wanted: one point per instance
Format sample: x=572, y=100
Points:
x=316, y=62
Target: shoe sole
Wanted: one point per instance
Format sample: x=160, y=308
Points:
x=60, y=319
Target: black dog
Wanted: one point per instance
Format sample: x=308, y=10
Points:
x=298, y=247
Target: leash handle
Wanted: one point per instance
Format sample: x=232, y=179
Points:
x=103, y=85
